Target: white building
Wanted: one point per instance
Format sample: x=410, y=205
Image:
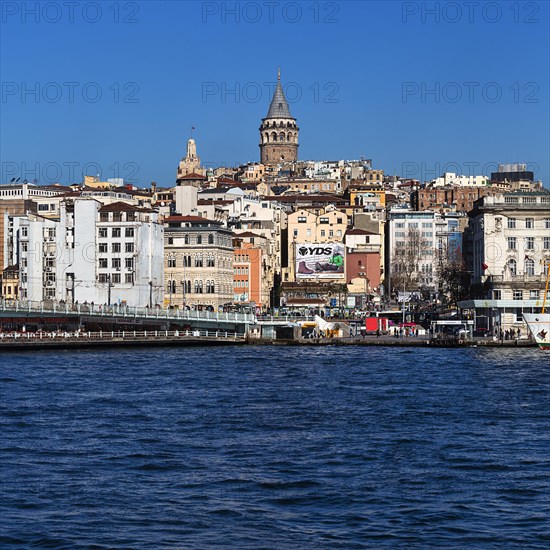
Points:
x=452, y=179
x=509, y=236
x=106, y=254
x=417, y=238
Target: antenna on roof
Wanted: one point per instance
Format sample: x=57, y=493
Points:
x=17, y=180
x=12, y=180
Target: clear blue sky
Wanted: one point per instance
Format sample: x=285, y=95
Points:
x=359, y=75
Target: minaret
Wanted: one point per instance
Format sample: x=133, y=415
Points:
x=278, y=131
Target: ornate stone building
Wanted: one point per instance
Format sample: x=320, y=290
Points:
x=198, y=259
x=191, y=164
x=278, y=131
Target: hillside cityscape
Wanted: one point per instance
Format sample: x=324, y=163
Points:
x=338, y=238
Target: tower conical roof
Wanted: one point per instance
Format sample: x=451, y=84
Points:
x=279, y=106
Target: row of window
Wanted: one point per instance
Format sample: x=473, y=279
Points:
x=198, y=239
x=209, y=261
x=517, y=294
x=323, y=233
x=241, y=284
x=240, y=271
x=529, y=223
x=103, y=263
x=115, y=278
x=209, y=286
x=529, y=243
x=528, y=266
x=116, y=248
x=116, y=232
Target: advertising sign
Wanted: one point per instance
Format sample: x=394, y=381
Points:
x=320, y=261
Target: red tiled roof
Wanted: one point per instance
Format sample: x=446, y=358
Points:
x=190, y=219
x=122, y=207
x=193, y=176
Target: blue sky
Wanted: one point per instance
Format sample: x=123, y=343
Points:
x=419, y=87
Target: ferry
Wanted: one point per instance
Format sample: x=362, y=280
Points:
x=539, y=323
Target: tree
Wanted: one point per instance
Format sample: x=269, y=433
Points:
x=453, y=278
x=405, y=261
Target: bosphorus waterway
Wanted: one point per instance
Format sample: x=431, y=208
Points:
x=275, y=447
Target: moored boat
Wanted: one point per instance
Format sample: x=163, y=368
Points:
x=539, y=325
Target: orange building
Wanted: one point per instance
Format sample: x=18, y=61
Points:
x=247, y=274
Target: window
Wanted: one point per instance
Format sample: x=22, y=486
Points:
x=210, y=261
x=210, y=287
x=512, y=243
x=323, y=233
x=529, y=223
x=171, y=287
x=129, y=232
x=102, y=263
x=170, y=240
x=117, y=216
x=115, y=278
x=546, y=243
x=302, y=219
x=198, y=260
x=497, y=294
x=129, y=263
x=546, y=223
x=529, y=243
x=295, y=233
x=103, y=278
x=511, y=223
x=24, y=232
x=199, y=239
x=186, y=239
x=324, y=220
x=529, y=267
x=129, y=247
x=115, y=232
x=534, y=295
x=102, y=248
x=115, y=263
x=187, y=262
x=512, y=266
x=339, y=233
x=308, y=232
x=338, y=220
x=104, y=217
x=518, y=295
x=198, y=287
x=331, y=233
x=129, y=278
x=210, y=239
x=103, y=233
x=115, y=247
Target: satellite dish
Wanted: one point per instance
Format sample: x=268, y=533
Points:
x=25, y=181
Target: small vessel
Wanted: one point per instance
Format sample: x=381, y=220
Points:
x=539, y=323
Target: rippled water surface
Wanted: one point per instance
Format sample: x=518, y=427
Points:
x=275, y=447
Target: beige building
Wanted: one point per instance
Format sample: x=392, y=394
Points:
x=305, y=226
x=198, y=262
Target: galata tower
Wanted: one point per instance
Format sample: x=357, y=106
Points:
x=278, y=131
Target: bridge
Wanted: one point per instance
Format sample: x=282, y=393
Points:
x=74, y=316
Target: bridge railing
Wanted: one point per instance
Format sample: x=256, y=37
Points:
x=124, y=311
x=120, y=334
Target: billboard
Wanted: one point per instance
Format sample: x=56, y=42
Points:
x=319, y=261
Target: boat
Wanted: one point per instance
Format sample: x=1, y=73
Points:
x=539, y=323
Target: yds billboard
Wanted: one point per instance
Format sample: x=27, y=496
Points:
x=319, y=261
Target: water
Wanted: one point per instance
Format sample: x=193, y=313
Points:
x=275, y=447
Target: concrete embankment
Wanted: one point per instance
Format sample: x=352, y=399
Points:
x=83, y=342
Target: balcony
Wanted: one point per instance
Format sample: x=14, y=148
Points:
x=519, y=278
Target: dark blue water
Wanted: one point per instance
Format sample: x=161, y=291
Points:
x=276, y=448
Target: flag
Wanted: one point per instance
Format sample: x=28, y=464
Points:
x=484, y=266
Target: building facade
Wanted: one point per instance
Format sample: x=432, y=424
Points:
x=509, y=237
x=198, y=262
